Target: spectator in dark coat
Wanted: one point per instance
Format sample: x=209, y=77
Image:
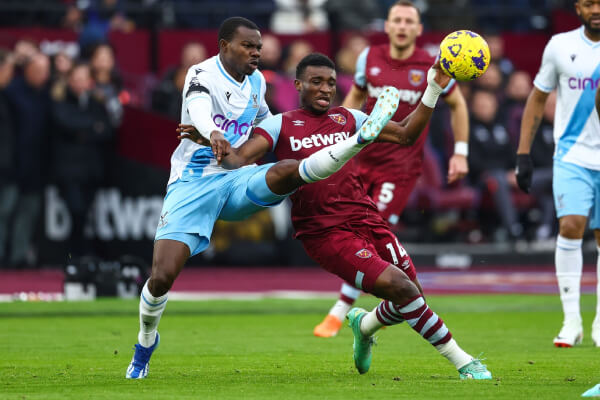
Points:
x=29, y=97
x=491, y=159
x=83, y=135
x=8, y=135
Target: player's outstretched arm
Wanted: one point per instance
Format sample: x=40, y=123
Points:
x=408, y=131
x=532, y=116
x=248, y=153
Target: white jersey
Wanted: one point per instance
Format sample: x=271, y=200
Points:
x=236, y=106
x=571, y=62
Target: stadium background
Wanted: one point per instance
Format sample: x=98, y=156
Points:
x=443, y=227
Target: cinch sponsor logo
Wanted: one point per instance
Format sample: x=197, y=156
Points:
x=408, y=96
x=231, y=125
x=583, y=83
x=317, y=140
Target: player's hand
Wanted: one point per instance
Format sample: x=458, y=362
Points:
x=189, y=132
x=524, y=171
x=458, y=168
x=220, y=146
x=440, y=78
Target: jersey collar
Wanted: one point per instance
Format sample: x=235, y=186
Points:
x=229, y=77
x=586, y=39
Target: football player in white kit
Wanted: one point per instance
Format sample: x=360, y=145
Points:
x=571, y=63
x=223, y=97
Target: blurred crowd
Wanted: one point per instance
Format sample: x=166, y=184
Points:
x=60, y=114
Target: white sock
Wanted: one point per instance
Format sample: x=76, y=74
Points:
x=569, y=263
x=340, y=309
x=327, y=161
x=597, y=319
x=370, y=323
x=151, y=309
x=349, y=292
x=454, y=353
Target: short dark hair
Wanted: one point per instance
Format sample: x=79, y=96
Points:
x=405, y=3
x=229, y=26
x=313, y=60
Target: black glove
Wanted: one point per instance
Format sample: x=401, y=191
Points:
x=524, y=171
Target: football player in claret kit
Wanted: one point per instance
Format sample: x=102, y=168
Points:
x=571, y=63
x=389, y=173
x=337, y=222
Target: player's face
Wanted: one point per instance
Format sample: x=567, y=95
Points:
x=242, y=53
x=589, y=13
x=403, y=26
x=317, y=88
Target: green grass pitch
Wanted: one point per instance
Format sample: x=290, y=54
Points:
x=264, y=349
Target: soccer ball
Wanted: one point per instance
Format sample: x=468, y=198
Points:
x=464, y=55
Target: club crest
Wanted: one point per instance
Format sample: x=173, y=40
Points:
x=363, y=253
x=339, y=118
x=416, y=77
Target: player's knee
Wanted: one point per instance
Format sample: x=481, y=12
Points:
x=162, y=278
x=283, y=177
x=571, y=228
x=396, y=286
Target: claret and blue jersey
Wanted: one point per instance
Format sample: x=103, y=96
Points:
x=236, y=106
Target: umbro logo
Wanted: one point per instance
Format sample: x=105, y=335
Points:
x=198, y=70
x=573, y=56
x=298, y=122
x=228, y=95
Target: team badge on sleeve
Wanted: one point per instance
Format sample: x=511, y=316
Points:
x=415, y=77
x=339, y=118
x=363, y=253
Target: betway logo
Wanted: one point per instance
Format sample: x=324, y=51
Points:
x=408, y=96
x=317, y=140
x=583, y=83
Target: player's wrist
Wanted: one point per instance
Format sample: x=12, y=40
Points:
x=431, y=95
x=461, y=148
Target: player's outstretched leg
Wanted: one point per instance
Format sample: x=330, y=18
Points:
x=569, y=264
x=382, y=113
x=331, y=159
x=332, y=323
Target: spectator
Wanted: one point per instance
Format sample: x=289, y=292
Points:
x=270, y=55
x=82, y=135
x=108, y=83
x=354, y=15
x=346, y=62
x=542, y=151
x=496, y=44
x=492, y=80
x=299, y=16
x=31, y=102
x=515, y=95
x=23, y=50
x=61, y=65
x=286, y=96
x=102, y=16
x=166, y=97
x=8, y=135
x=491, y=161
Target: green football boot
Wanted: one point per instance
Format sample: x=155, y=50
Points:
x=475, y=370
x=362, y=344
